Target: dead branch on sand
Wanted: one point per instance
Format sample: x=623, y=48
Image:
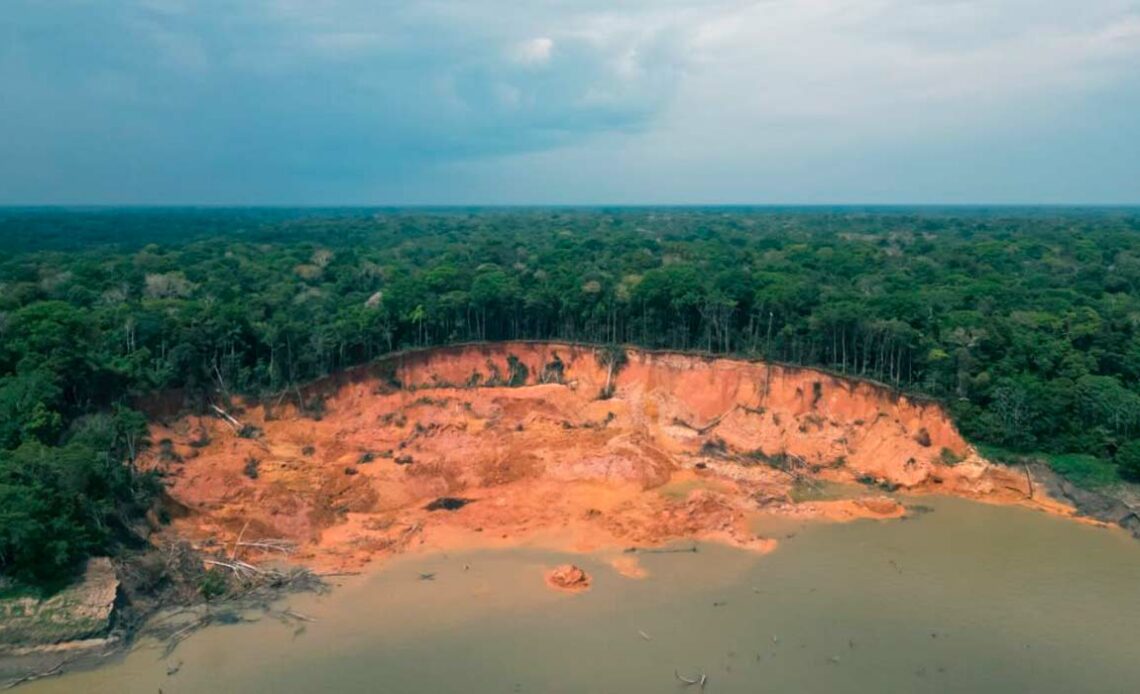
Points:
x=710, y=425
x=32, y=677
x=240, y=568
x=227, y=418
x=257, y=589
x=271, y=545
x=237, y=543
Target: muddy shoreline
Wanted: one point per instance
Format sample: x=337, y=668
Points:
x=1102, y=506
x=548, y=445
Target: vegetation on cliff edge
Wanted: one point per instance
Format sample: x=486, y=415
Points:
x=1025, y=322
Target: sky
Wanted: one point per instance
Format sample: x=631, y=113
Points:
x=429, y=102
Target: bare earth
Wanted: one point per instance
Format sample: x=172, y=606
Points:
x=687, y=447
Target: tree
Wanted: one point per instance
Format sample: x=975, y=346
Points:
x=29, y=409
x=612, y=358
x=1128, y=460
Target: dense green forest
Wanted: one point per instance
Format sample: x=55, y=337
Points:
x=1026, y=322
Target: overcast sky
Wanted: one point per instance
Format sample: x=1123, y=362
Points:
x=569, y=101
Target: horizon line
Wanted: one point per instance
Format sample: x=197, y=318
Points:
x=551, y=206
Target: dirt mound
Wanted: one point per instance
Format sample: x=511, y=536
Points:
x=568, y=577
x=522, y=433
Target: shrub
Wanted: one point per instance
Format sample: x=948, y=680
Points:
x=212, y=585
x=517, y=372
x=554, y=371
x=949, y=457
x=1086, y=470
x=776, y=461
x=1128, y=460
x=714, y=447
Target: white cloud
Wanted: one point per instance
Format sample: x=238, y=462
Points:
x=533, y=52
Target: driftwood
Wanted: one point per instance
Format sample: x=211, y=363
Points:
x=32, y=677
x=227, y=418
x=184, y=633
x=237, y=543
x=271, y=545
x=221, y=381
x=682, y=550
x=712, y=423
x=701, y=681
x=240, y=568
x=297, y=615
x=239, y=591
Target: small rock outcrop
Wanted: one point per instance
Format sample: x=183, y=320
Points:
x=568, y=577
x=81, y=611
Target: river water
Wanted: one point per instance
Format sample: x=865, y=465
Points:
x=963, y=598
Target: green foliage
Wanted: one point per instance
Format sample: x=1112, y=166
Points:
x=1128, y=460
x=29, y=405
x=59, y=505
x=612, y=358
x=1084, y=470
x=517, y=372
x=778, y=461
x=553, y=371
x=949, y=457
x=1023, y=321
x=212, y=584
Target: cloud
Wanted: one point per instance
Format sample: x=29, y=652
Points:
x=486, y=100
x=346, y=91
x=533, y=52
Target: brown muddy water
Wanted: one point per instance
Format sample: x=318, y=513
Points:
x=964, y=598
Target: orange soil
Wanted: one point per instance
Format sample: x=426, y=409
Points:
x=568, y=577
x=552, y=465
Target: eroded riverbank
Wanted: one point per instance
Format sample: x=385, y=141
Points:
x=546, y=447
x=557, y=446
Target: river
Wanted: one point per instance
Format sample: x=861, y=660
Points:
x=965, y=597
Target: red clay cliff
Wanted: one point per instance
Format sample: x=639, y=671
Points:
x=511, y=443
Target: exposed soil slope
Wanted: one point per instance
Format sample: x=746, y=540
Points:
x=686, y=447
